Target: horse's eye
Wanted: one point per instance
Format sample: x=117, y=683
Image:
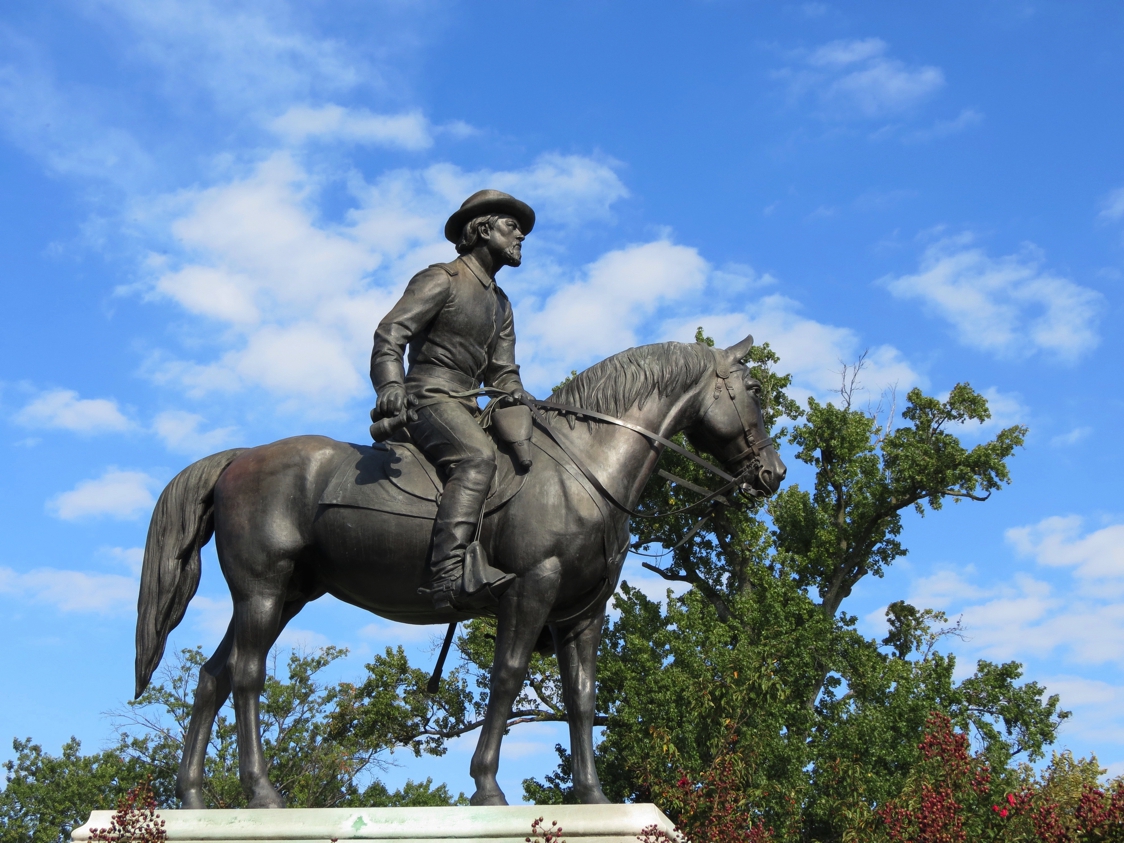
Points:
x=754, y=387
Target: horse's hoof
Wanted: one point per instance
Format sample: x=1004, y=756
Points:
x=593, y=796
x=269, y=798
x=491, y=797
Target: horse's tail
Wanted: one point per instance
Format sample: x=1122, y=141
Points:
x=182, y=523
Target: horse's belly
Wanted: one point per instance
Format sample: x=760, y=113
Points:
x=375, y=560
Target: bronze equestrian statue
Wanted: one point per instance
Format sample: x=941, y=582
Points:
x=308, y=516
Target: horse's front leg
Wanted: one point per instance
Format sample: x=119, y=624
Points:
x=577, y=645
x=521, y=617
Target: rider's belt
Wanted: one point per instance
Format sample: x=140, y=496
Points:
x=454, y=381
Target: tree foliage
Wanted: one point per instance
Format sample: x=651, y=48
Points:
x=46, y=796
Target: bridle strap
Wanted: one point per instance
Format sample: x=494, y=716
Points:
x=544, y=423
x=647, y=434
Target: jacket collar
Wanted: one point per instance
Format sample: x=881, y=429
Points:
x=477, y=270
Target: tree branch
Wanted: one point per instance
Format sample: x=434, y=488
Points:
x=690, y=575
x=954, y=494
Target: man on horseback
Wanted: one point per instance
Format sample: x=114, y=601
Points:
x=458, y=325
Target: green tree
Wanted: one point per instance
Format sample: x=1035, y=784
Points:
x=46, y=796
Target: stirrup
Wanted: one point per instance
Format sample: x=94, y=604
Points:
x=479, y=586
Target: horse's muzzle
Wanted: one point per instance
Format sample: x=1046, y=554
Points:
x=765, y=473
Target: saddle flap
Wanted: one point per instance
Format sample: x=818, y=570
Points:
x=411, y=472
x=397, y=477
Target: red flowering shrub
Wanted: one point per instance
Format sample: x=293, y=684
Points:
x=712, y=807
x=541, y=834
x=135, y=820
x=948, y=795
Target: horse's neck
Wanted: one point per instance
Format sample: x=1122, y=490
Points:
x=623, y=459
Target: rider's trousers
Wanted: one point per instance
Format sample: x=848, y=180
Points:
x=450, y=436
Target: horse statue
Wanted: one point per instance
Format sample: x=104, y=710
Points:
x=286, y=534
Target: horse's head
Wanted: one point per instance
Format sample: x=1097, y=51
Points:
x=731, y=426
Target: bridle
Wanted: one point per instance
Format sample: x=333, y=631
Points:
x=751, y=451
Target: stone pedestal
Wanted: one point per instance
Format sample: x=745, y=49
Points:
x=512, y=824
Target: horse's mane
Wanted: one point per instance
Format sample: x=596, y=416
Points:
x=614, y=385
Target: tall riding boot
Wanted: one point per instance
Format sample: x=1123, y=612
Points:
x=458, y=517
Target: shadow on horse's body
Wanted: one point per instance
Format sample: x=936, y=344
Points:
x=279, y=548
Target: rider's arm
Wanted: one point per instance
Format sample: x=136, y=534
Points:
x=425, y=295
x=502, y=371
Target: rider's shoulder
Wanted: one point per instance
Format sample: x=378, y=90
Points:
x=452, y=268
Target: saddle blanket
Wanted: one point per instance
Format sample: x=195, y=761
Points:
x=396, y=477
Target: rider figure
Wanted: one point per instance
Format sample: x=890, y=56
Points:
x=459, y=328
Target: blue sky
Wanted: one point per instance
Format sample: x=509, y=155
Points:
x=208, y=206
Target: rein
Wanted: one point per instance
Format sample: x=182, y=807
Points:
x=544, y=423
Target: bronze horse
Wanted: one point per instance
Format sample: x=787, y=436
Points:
x=279, y=547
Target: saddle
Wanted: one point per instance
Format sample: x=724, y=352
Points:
x=397, y=477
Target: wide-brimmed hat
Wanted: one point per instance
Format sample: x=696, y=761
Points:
x=485, y=203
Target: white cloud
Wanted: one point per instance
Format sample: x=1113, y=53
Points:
x=1074, y=436
x=299, y=298
x=71, y=591
x=599, y=313
x=302, y=640
x=943, y=588
x=1113, y=206
x=356, y=125
x=1096, y=705
x=180, y=432
x=966, y=119
x=857, y=79
x=1058, y=542
x=572, y=189
x=813, y=352
x=843, y=53
x=117, y=494
x=387, y=633
x=64, y=130
x=1009, y=306
x=208, y=618
x=63, y=409
x=128, y=557
x=1018, y=615
x=242, y=53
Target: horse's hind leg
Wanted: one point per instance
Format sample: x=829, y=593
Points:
x=577, y=662
x=210, y=694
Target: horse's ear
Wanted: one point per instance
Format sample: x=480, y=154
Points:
x=740, y=349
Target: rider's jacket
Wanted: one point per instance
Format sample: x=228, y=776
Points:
x=459, y=328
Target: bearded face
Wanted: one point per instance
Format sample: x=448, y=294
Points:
x=505, y=241
x=512, y=255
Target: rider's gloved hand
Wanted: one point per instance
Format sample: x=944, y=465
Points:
x=392, y=400
x=521, y=395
